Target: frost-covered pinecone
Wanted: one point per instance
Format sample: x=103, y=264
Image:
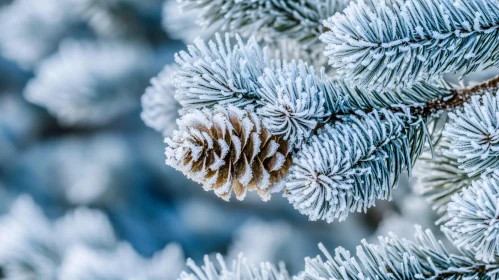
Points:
x=227, y=149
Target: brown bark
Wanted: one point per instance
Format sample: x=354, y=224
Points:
x=457, y=98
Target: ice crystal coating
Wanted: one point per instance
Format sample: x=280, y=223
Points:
x=240, y=269
x=159, y=107
x=227, y=150
x=474, y=218
x=389, y=43
x=290, y=97
x=396, y=258
x=474, y=135
x=347, y=166
x=299, y=20
x=90, y=83
x=219, y=73
x=293, y=101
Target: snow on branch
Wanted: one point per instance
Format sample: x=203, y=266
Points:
x=350, y=164
x=299, y=20
x=238, y=269
x=291, y=97
x=219, y=73
x=474, y=219
x=388, y=43
x=396, y=258
x=474, y=135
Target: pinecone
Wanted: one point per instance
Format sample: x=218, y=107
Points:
x=228, y=149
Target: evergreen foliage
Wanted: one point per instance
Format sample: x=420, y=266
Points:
x=293, y=102
x=349, y=165
x=396, y=258
x=474, y=135
x=354, y=129
x=256, y=109
x=159, y=107
x=240, y=269
x=390, y=43
x=440, y=176
x=473, y=218
x=299, y=20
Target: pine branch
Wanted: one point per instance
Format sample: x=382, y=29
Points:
x=381, y=133
x=289, y=96
x=397, y=258
x=474, y=134
x=219, y=73
x=299, y=20
x=350, y=164
x=239, y=269
x=389, y=43
x=457, y=98
x=474, y=219
x=440, y=177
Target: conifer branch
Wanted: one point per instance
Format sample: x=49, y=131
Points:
x=389, y=43
x=397, y=258
x=300, y=20
x=382, y=132
x=440, y=177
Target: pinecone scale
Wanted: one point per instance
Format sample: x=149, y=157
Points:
x=228, y=150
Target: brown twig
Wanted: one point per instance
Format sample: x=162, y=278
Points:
x=457, y=98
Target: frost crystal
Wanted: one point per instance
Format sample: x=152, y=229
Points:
x=474, y=135
x=219, y=73
x=271, y=20
x=396, y=258
x=293, y=99
x=349, y=165
x=439, y=176
x=474, y=218
x=389, y=43
x=240, y=269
